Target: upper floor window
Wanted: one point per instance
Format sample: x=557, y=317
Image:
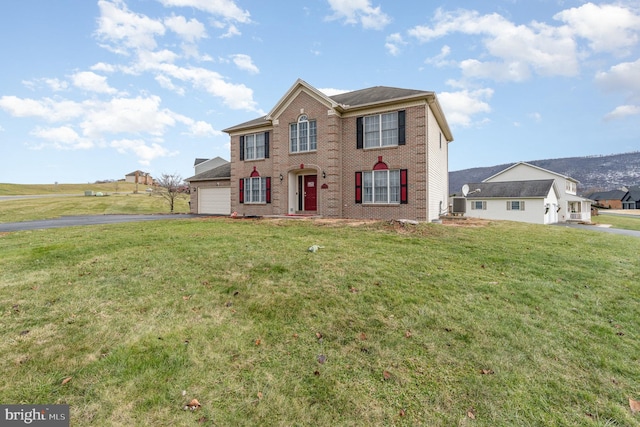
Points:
x=254, y=146
x=381, y=130
x=303, y=135
x=570, y=187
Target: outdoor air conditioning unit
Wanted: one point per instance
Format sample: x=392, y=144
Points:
x=459, y=205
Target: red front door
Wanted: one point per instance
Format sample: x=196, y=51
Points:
x=310, y=192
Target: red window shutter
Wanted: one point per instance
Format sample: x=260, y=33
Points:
x=241, y=190
x=404, y=197
x=358, y=187
x=268, y=184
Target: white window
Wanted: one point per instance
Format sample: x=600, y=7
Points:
x=381, y=186
x=381, y=130
x=303, y=135
x=254, y=146
x=515, y=205
x=479, y=205
x=255, y=190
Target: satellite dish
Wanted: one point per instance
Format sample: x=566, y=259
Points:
x=465, y=190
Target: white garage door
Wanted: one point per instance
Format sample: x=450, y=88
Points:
x=214, y=201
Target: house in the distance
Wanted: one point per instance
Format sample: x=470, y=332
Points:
x=139, y=177
x=611, y=199
x=379, y=153
x=210, y=188
x=527, y=193
x=631, y=200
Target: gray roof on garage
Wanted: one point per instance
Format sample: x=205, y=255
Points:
x=519, y=189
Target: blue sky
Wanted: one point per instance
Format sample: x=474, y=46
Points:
x=92, y=90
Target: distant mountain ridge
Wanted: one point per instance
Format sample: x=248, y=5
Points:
x=594, y=173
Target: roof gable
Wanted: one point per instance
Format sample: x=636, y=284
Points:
x=298, y=87
x=525, y=164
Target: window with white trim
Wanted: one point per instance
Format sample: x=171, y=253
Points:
x=255, y=190
x=254, y=146
x=381, y=130
x=479, y=205
x=303, y=135
x=515, y=205
x=381, y=186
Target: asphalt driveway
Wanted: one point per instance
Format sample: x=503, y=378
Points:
x=73, y=221
x=632, y=233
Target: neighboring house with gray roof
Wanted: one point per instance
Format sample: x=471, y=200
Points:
x=631, y=200
x=203, y=165
x=611, y=199
x=379, y=153
x=533, y=201
x=528, y=193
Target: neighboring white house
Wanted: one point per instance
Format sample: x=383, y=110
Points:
x=533, y=201
x=528, y=193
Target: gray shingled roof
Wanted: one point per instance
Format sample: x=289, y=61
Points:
x=608, y=195
x=350, y=99
x=375, y=94
x=519, y=189
x=221, y=172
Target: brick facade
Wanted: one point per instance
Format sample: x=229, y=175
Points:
x=424, y=156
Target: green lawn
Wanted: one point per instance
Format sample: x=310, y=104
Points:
x=505, y=324
x=31, y=189
x=618, y=221
x=53, y=207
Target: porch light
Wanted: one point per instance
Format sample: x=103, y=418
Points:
x=281, y=177
x=324, y=174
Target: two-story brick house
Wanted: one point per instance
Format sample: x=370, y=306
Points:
x=378, y=153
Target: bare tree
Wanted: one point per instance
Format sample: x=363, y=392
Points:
x=170, y=187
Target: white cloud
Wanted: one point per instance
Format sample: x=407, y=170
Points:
x=460, y=106
x=359, y=12
x=47, y=108
x=92, y=82
x=244, y=62
x=607, y=27
x=224, y=8
x=125, y=29
x=623, y=111
x=440, y=60
x=536, y=117
x=393, y=43
x=236, y=96
x=167, y=83
x=191, y=30
x=518, y=49
x=203, y=129
x=56, y=85
x=332, y=92
x=232, y=31
x=63, y=137
x=622, y=77
x=126, y=115
x=104, y=67
x=145, y=153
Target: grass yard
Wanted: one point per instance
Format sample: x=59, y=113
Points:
x=53, y=207
x=31, y=189
x=503, y=324
x=618, y=221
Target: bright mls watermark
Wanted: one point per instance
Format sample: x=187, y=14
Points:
x=34, y=415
